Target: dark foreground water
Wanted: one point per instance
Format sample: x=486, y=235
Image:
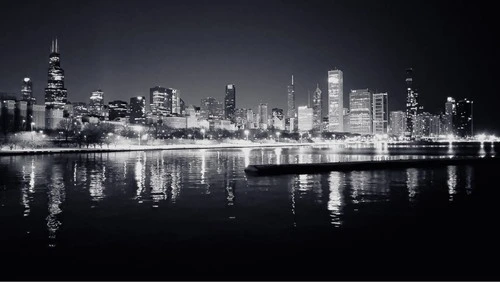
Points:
x=196, y=215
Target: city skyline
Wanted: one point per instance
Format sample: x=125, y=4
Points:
x=90, y=62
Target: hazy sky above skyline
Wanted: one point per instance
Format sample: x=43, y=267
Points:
x=126, y=47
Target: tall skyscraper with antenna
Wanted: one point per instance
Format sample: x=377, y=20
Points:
x=335, y=101
x=55, y=94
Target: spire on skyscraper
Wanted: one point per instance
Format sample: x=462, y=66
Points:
x=52, y=46
x=292, y=79
x=57, y=48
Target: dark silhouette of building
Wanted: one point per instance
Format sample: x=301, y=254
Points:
x=138, y=110
x=464, y=118
x=412, y=107
x=118, y=109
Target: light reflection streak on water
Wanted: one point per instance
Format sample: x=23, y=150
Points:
x=176, y=181
x=96, y=187
x=452, y=182
x=469, y=170
x=412, y=183
x=139, y=172
x=246, y=156
x=334, y=198
x=56, y=196
x=203, y=166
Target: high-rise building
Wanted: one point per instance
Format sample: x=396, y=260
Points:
x=398, y=123
x=80, y=109
x=380, y=113
x=360, y=115
x=412, y=106
x=27, y=91
x=291, y=113
x=464, y=118
x=96, y=104
x=118, y=109
x=240, y=116
x=426, y=125
x=176, y=100
x=317, y=109
x=335, y=100
x=138, y=110
x=211, y=109
x=278, y=119
x=230, y=102
x=347, y=121
x=263, y=116
x=305, y=119
x=53, y=117
x=447, y=124
x=160, y=101
x=56, y=95
x=38, y=120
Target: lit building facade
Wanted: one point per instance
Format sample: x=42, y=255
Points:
x=96, y=104
x=263, y=117
x=398, y=123
x=360, y=115
x=335, y=101
x=412, y=106
x=160, y=101
x=80, y=109
x=38, y=117
x=291, y=112
x=56, y=95
x=230, y=102
x=278, y=119
x=380, y=113
x=305, y=119
x=27, y=91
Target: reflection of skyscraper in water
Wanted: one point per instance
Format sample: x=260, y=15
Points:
x=452, y=181
x=28, y=186
x=56, y=196
x=97, y=179
x=277, y=152
x=140, y=174
x=335, y=204
x=412, y=183
x=158, y=180
x=176, y=180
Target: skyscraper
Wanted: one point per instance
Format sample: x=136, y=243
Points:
x=117, y=109
x=230, y=102
x=27, y=91
x=412, y=108
x=291, y=113
x=380, y=113
x=464, y=118
x=305, y=118
x=175, y=95
x=96, y=104
x=447, y=119
x=138, y=110
x=360, y=115
x=56, y=95
x=335, y=100
x=278, y=119
x=160, y=101
x=317, y=110
x=211, y=109
x=263, y=116
x=398, y=123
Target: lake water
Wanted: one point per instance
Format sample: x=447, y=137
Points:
x=196, y=215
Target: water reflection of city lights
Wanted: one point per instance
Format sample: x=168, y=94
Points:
x=334, y=198
x=452, y=182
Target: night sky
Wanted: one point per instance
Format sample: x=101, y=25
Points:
x=126, y=47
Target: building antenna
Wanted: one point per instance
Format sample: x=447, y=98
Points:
x=57, y=48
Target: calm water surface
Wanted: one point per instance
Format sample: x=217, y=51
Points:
x=196, y=215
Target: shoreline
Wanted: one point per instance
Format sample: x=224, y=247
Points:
x=132, y=148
